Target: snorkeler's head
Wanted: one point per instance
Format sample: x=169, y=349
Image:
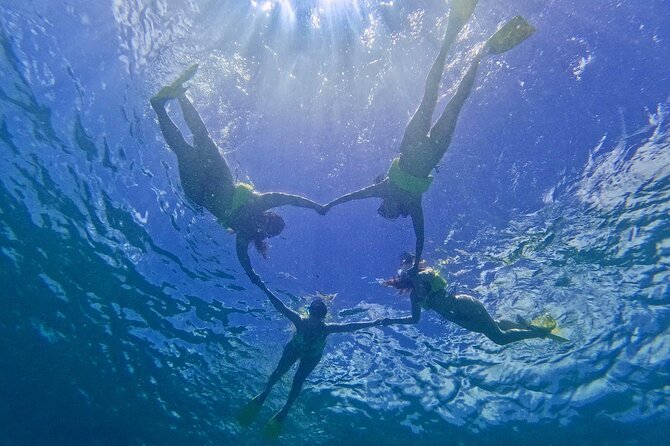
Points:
x=272, y=224
x=402, y=282
x=269, y=225
x=318, y=309
x=424, y=281
x=390, y=209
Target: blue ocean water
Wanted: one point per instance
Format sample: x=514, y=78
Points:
x=127, y=320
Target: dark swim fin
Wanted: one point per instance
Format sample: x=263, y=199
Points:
x=510, y=35
x=177, y=87
x=247, y=414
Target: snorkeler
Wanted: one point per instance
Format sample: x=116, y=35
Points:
x=208, y=181
x=306, y=346
x=428, y=290
x=423, y=146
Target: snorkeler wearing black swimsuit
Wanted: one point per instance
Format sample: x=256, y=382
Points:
x=306, y=346
x=208, y=181
x=423, y=145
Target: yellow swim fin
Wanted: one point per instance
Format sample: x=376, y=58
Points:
x=548, y=323
x=273, y=428
x=247, y=414
x=187, y=74
x=177, y=87
x=545, y=321
x=557, y=338
x=510, y=35
x=460, y=12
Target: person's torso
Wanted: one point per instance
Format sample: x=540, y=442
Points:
x=310, y=336
x=235, y=210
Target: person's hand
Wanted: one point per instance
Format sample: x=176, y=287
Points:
x=413, y=271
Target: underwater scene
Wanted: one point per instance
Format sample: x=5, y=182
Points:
x=334, y=222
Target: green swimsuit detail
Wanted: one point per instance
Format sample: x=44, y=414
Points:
x=406, y=181
x=241, y=196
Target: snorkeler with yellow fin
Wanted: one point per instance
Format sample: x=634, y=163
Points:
x=424, y=144
x=428, y=290
x=547, y=322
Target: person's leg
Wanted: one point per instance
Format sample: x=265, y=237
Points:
x=170, y=131
x=506, y=332
x=505, y=324
x=419, y=125
x=470, y=313
x=288, y=358
x=442, y=132
x=192, y=118
x=203, y=142
x=248, y=413
x=304, y=369
x=509, y=36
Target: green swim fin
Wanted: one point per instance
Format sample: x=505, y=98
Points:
x=273, y=428
x=177, y=87
x=247, y=414
x=557, y=338
x=545, y=322
x=510, y=35
x=460, y=12
x=548, y=324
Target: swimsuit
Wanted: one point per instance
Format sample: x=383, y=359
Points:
x=407, y=181
x=241, y=196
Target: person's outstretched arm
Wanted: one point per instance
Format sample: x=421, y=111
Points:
x=353, y=326
x=271, y=200
x=376, y=190
x=243, y=256
x=417, y=222
x=289, y=314
x=413, y=319
x=242, y=248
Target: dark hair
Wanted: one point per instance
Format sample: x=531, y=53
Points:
x=318, y=308
x=273, y=224
x=270, y=224
x=381, y=210
x=402, y=280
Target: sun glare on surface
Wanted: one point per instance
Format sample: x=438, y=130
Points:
x=317, y=7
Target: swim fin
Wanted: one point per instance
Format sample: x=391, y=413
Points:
x=548, y=324
x=510, y=35
x=545, y=322
x=557, y=338
x=177, y=87
x=247, y=414
x=459, y=13
x=273, y=428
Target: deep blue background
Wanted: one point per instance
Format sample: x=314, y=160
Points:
x=124, y=315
